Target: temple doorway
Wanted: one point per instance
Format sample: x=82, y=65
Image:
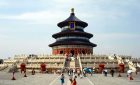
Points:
x=72, y=52
x=83, y=52
x=61, y=52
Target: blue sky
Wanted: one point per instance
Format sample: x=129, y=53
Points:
x=26, y=26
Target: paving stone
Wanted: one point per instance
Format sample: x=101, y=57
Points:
x=54, y=79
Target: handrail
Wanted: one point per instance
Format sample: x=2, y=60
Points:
x=64, y=64
x=131, y=65
x=81, y=68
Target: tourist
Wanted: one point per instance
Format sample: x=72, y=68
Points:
x=84, y=73
x=90, y=71
x=33, y=71
x=81, y=75
x=74, y=81
x=112, y=72
x=136, y=71
x=129, y=74
x=74, y=71
x=78, y=72
x=70, y=72
x=70, y=78
x=105, y=72
x=62, y=79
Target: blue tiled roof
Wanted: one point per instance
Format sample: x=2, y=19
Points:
x=72, y=17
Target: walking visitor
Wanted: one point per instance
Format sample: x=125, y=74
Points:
x=62, y=79
x=112, y=72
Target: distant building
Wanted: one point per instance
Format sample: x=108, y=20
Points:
x=1, y=61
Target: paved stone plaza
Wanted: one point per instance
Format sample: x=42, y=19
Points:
x=54, y=79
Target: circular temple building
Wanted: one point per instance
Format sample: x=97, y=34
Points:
x=72, y=39
x=72, y=42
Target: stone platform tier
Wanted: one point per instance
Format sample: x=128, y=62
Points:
x=34, y=61
x=57, y=62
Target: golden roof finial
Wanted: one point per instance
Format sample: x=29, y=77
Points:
x=72, y=10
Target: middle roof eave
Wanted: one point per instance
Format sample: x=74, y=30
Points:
x=71, y=33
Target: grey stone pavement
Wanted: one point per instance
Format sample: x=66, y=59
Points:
x=54, y=79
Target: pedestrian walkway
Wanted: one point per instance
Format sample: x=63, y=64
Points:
x=54, y=79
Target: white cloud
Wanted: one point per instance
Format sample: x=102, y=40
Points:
x=118, y=43
x=54, y=16
x=58, y=12
x=2, y=4
x=116, y=36
x=69, y=2
x=42, y=17
x=35, y=17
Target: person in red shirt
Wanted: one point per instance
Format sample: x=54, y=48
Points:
x=74, y=81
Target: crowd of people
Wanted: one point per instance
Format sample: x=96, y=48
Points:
x=73, y=74
x=71, y=79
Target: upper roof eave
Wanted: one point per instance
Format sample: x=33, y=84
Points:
x=72, y=18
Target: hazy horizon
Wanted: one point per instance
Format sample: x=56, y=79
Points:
x=26, y=27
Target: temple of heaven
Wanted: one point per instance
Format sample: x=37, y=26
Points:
x=72, y=39
x=71, y=50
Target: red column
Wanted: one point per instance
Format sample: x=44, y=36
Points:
x=74, y=51
x=22, y=67
x=55, y=51
x=64, y=51
x=58, y=51
x=80, y=51
x=43, y=67
x=68, y=50
x=121, y=68
x=101, y=67
x=85, y=51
